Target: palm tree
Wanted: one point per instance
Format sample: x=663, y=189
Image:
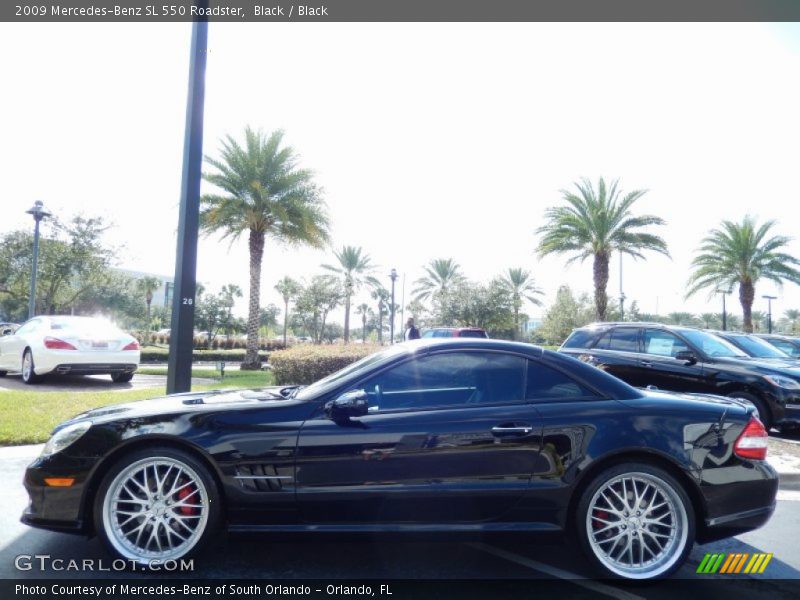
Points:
x=354, y=266
x=364, y=310
x=742, y=253
x=596, y=223
x=384, y=298
x=709, y=320
x=792, y=315
x=519, y=283
x=441, y=275
x=758, y=317
x=288, y=288
x=266, y=195
x=681, y=318
x=148, y=285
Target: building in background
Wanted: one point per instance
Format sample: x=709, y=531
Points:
x=162, y=297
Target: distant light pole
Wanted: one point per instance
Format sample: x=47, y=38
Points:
x=724, y=311
x=38, y=214
x=621, y=293
x=393, y=277
x=769, y=300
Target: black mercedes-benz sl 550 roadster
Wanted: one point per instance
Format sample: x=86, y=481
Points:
x=457, y=435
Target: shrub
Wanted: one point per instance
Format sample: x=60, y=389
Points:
x=307, y=363
x=159, y=355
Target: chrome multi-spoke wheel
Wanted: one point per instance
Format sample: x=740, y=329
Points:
x=156, y=508
x=28, y=370
x=637, y=524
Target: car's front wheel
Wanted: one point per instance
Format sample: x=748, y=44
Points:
x=121, y=377
x=157, y=504
x=635, y=521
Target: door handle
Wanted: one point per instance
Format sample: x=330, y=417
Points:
x=645, y=363
x=501, y=430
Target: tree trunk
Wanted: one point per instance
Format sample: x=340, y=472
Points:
x=347, y=318
x=600, y=284
x=516, y=320
x=380, y=323
x=251, y=360
x=747, y=293
x=285, y=320
x=364, y=328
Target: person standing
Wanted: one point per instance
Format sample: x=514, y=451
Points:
x=412, y=333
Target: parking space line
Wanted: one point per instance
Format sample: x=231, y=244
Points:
x=589, y=584
x=789, y=495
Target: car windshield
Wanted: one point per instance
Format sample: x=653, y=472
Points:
x=759, y=348
x=712, y=345
x=334, y=378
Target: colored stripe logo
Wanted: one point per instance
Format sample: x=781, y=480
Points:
x=727, y=564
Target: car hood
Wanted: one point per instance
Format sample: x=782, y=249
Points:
x=784, y=366
x=188, y=402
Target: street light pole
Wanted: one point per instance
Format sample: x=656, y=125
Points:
x=769, y=300
x=38, y=214
x=724, y=311
x=179, y=362
x=393, y=277
x=621, y=293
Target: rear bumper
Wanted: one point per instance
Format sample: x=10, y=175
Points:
x=81, y=363
x=93, y=368
x=726, y=526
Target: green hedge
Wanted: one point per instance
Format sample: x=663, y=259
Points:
x=306, y=364
x=159, y=355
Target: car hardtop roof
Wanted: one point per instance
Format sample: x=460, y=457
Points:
x=782, y=336
x=491, y=344
x=606, y=324
x=454, y=328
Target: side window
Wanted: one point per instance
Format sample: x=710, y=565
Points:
x=449, y=379
x=786, y=347
x=625, y=339
x=546, y=383
x=662, y=343
x=580, y=338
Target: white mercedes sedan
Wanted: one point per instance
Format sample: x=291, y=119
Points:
x=68, y=345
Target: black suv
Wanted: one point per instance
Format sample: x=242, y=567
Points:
x=684, y=359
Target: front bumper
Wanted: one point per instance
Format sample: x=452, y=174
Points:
x=791, y=415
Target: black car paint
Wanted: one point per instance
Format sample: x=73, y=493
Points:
x=426, y=469
x=707, y=375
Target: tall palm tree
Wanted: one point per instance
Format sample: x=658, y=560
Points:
x=521, y=286
x=742, y=254
x=758, y=317
x=148, y=285
x=265, y=194
x=288, y=288
x=384, y=298
x=709, y=320
x=596, y=223
x=440, y=275
x=364, y=310
x=354, y=264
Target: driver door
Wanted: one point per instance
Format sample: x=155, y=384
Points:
x=448, y=437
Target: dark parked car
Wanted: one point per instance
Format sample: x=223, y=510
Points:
x=756, y=347
x=789, y=345
x=450, y=332
x=441, y=436
x=684, y=359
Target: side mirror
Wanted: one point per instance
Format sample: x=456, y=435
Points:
x=686, y=356
x=8, y=331
x=350, y=404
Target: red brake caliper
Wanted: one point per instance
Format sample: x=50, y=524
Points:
x=599, y=514
x=182, y=495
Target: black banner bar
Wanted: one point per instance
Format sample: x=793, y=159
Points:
x=150, y=11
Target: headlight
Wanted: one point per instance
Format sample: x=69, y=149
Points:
x=65, y=437
x=780, y=381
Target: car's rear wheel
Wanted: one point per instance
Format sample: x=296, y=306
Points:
x=121, y=377
x=762, y=412
x=157, y=504
x=635, y=521
x=29, y=375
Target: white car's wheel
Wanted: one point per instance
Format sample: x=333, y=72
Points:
x=635, y=521
x=156, y=504
x=29, y=375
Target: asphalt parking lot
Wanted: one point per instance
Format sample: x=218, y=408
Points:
x=262, y=557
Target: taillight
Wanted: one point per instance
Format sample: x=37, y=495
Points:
x=57, y=344
x=752, y=442
x=134, y=345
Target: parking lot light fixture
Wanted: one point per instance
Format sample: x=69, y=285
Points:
x=38, y=213
x=393, y=277
x=769, y=300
